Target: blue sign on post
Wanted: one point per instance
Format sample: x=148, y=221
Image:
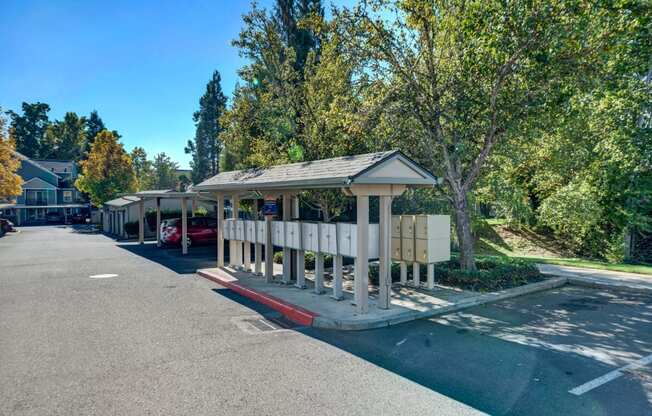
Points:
x=270, y=207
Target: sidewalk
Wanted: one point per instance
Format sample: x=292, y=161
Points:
x=604, y=279
x=307, y=308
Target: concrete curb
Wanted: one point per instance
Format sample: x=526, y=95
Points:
x=597, y=283
x=293, y=312
x=358, y=324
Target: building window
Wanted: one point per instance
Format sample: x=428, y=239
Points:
x=67, y=196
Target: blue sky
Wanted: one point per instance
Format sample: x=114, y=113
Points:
x=141, y=64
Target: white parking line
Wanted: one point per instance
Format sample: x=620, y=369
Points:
x=612, y=375
x=103, y=276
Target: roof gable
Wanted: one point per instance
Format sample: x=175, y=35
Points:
x=383, y=167
x=37, y=183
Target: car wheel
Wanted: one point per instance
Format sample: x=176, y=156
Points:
x=189, y=242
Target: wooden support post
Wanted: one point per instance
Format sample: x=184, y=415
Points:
x=416, y=280
x=385, y=260
x=184, y=226
x=319, y=273
x=141, y=221
x=431, y=276
x=258, y=254
x=235, y=248
x=361, y=278
x=158, y=222
x=269, y=250
x=301, y=269
x=300, y=262
x=338, y=261
x=247, y=255
x=287, y=252
x=220, y=229
x=403, y=273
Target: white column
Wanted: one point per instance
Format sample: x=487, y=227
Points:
x=338, y=261
x=361, y=278
x=141, y=221
x=220, y=229
x=403, y=273
x=247, y=255
x=416, y=280
x=287, y=252
x=269, y=250
x=431, y=276
x=319, y=273
x=301, y=262
x=385, y=259
x=294, y=271
x=158, y=222
x=301, y=269
x=235, y=248
x=258, y=254
x=184, y=226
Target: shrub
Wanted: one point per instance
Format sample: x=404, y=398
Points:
x=131, y=228
x=309, y=259
x=278, y=257
x=494, y=273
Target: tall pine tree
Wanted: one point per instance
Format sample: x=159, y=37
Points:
x=71, y=137
x=205, y=148
x=94, y=125
x=27, y=130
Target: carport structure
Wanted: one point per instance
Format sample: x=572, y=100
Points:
x=158, y=195
x=384, y=175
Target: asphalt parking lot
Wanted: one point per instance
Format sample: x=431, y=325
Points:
x=88, y=326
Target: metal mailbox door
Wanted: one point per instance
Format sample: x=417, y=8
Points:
x=396, y=249
x=407, y=226
x=309, y=236
x=396, y=226
x=407, y=249
x=278, y=233
x=328, y=238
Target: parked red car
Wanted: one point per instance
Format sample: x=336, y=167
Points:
x=201, y=230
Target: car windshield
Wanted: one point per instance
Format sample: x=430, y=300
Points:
x=171, y=223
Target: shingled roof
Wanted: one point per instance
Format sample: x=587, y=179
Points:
x=391, y=167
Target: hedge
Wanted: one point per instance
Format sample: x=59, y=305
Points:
x=493, y=273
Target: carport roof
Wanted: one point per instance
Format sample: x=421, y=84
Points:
x=391, y=167
x=121, y=201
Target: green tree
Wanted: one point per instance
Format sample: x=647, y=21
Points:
x=108, y=171
x=143, y=169
x=205, y=148
x=72, y=137
x=27, y=129
x=165, y=172
x=473, y=75
x=94, y=125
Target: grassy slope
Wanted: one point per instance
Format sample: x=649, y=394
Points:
x=497, y=239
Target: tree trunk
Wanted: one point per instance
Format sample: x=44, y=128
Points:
x=463, y=229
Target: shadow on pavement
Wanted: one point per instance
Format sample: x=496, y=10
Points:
x=516, y=357
x=198, y=257
x=520, y=356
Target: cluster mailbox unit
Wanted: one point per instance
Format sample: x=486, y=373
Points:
x=420, y=239
x=326, y=238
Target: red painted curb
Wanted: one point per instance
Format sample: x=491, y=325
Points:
x=295, y=313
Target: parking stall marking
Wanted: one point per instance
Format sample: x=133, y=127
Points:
x=612, y=375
